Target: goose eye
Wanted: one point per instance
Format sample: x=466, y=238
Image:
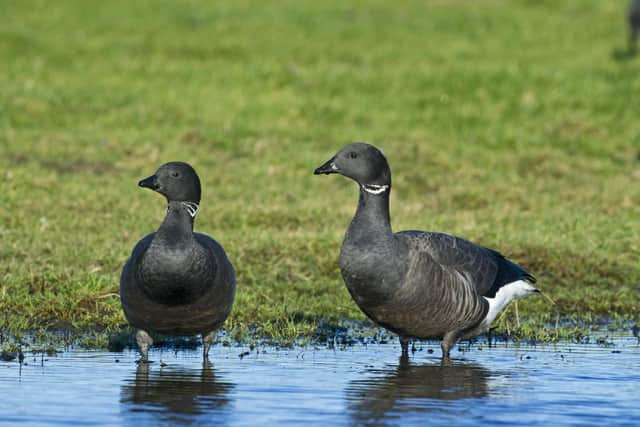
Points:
x=174, y=174
x=353, y=155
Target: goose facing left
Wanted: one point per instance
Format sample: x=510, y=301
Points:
x=418, y=284
x=176, y=281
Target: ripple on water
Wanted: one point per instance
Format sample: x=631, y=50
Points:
x=562, y=384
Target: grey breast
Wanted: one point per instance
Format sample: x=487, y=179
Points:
x=172, y=294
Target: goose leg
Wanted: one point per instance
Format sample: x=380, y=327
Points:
x=144, y=341
x=448, y=341
x=207, y=339
x=404, y=344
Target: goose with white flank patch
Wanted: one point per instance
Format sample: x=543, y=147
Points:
x=177, y=282
x=417, y=284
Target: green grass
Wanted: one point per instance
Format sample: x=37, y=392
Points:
x=508, y=123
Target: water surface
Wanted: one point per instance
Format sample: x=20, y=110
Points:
x=564, y=384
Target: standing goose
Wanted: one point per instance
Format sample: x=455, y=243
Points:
x=177, y=282
x=416, y=283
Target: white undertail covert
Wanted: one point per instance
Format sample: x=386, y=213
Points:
x=509, y=292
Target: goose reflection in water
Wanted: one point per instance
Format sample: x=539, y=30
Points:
x=387, y=394
x=175, y=395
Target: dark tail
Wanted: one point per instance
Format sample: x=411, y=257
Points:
x=508, y=272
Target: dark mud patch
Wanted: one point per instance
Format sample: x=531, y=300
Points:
x=64, y=166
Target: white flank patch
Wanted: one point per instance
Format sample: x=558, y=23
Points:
x=506, y=294
x=374, y=188
x=192, y=208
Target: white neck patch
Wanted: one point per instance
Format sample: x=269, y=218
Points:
x=375, y=188
x=191, y=207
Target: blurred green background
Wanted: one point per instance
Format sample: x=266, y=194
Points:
x=514, y=124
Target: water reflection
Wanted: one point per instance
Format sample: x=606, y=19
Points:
x=174, y=394
x=388, y=393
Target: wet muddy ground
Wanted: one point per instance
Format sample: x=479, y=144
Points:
x=562, y=384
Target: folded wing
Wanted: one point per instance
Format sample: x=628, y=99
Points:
x=487, y=270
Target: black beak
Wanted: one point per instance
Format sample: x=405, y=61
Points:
x=151, y=182
x=327, y=168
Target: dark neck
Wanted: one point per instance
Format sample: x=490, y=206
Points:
x=177, y=227
x=372, y=217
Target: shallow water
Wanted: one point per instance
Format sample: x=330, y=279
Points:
x=564, y=384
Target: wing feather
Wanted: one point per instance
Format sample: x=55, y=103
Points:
x=486, y=269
